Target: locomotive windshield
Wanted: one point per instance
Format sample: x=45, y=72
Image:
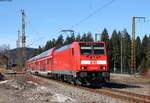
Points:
x=92, y=48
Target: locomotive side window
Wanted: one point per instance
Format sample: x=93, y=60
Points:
x=72, y=51
x=92, y=48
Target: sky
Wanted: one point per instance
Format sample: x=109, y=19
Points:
x=46, y=18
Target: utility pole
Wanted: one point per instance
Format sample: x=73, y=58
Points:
x=121, y=51
x=23, y=39
x=23, y=29
x=133, y=45
x=18, y=50
x=122, y=36
x=8, y=51
x=96, y=37
x=18, y=41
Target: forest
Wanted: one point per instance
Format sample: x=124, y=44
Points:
x=116, y=42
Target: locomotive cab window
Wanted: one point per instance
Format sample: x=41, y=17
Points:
x=98, y=49
x=92, y=48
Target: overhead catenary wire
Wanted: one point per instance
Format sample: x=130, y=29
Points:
x=43, y=37
x=92, y=14
x=81, y=21
x=5, y=0
x=40, y=38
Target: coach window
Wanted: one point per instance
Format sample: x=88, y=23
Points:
x=72, y=51
x=48, y=61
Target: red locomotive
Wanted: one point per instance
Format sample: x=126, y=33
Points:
x=84, y=63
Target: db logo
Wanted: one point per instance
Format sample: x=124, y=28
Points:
x=93, y=62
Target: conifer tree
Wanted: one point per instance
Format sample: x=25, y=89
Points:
x=105, y=37
x=109, y=47
x=144, y=63
x=40, y=50
x=53, y=44
x=78, y=37
x=67, y=40
x=138, y=52
x=144, y=46
x=59, y=41
x=148, y=53
x=72, y=38
x=83, y=37
x=89, y=37
x=115, y=40
x=126, y=49
x=48, y=45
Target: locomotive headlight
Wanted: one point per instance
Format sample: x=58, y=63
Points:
x=83, y=67
x=104, y=68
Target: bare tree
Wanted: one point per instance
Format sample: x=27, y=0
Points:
x=4, y=55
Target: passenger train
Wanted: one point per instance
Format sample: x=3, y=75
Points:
x=82, y=63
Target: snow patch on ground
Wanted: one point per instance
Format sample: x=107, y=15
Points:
x=61, y=98
x=45, y=94
x=2, y=82
x=15, y=86
x=31, y=82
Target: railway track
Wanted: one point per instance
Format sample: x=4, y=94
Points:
x=122, y=95
x=118, y=94
x=125, y=96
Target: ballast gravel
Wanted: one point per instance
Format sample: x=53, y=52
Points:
x=82, y=96
x=18, y=90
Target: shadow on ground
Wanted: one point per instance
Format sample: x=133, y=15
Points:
x=114, y=86
x=119, y=85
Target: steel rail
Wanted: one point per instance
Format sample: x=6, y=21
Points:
x=118, y=94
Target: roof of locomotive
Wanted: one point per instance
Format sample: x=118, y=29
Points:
x=89, y=42
x=43, y=54
x=72, y=45
x=86, y=42
x=49, y=52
